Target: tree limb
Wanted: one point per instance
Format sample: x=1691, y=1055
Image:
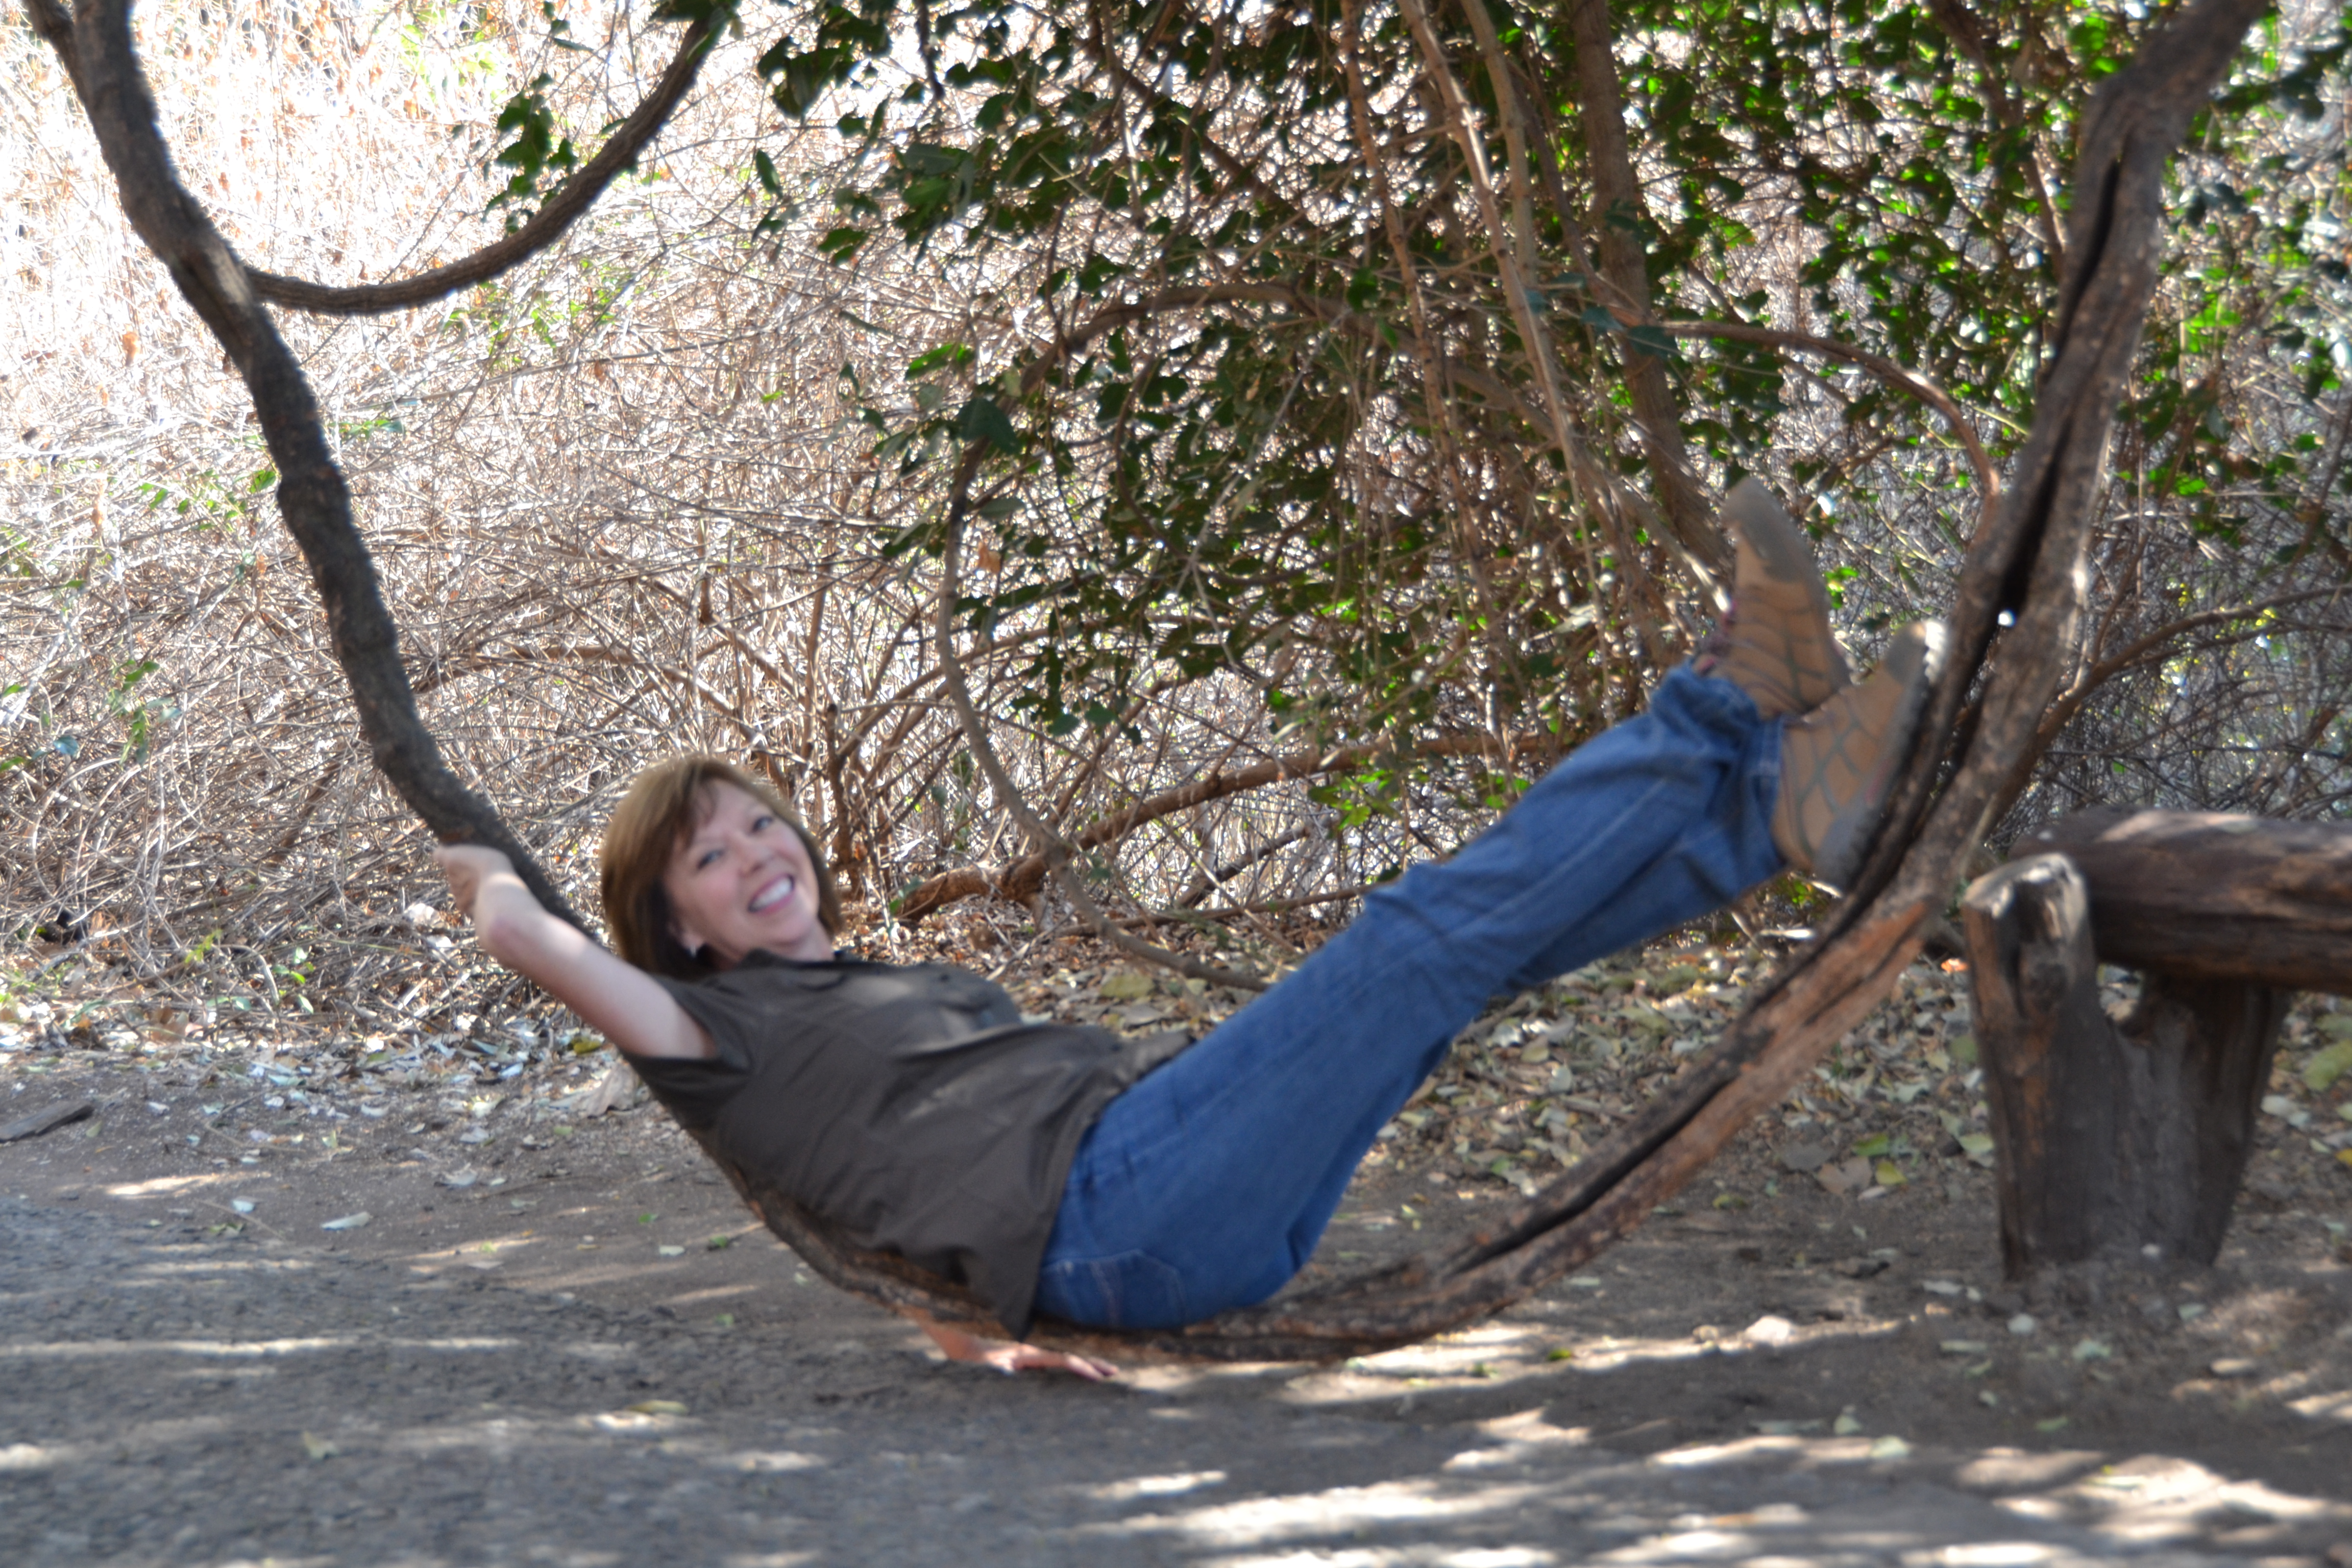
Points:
x=1617, y=191
x=1019, y=880
x=1057, y=850
x=311, y=495
x=1911, y=382
x=570, y=199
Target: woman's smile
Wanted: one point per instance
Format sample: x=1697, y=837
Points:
x=741, y=881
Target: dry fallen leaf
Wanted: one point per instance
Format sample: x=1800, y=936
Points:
x=1127, y=985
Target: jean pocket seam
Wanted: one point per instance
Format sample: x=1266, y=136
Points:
x=1110, y=1278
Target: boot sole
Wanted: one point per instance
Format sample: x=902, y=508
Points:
x=1775, y=536
x=1787, y=554
x=1915, y=660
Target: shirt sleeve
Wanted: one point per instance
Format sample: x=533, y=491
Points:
x=693, y=1090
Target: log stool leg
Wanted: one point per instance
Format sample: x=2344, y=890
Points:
x=2049, y=1060
x=2107, y=1139
x=2197, y=1056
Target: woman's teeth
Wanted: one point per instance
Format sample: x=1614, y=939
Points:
x=772, y=895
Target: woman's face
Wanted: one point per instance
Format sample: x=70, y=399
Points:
x=742, y=880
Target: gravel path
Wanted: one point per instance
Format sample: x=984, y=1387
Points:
x=171, y=1397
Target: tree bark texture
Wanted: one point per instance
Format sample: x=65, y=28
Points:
x=2202, y=895
x=2109, y=1139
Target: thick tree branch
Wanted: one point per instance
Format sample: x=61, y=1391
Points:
x=573, y=197
x=311, y=495
x=1623, y=214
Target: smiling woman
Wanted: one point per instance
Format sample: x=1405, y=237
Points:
x=1059, y=1170
x=694, y=858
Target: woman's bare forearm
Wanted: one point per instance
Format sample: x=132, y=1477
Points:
x=616, y=999
x=958, y=1345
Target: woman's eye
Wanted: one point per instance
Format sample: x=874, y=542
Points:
x=710, y=858
x=761, y=823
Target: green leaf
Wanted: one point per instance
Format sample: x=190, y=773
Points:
x=840, y=243
x=955, y=355
x=765, y=167
x=1650, y=340
x=981, y=420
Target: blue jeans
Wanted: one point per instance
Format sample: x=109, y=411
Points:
x=1206, y=1185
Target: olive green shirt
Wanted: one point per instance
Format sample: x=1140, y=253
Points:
x=910, y=1105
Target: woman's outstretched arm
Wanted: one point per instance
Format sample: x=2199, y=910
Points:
x=615, y=998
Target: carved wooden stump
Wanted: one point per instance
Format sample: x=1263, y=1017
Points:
x=2115, y=1137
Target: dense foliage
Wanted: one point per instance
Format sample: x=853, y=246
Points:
x=1253, y=396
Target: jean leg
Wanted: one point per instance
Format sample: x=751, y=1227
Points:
x=1224, y=1165
x=1189, y=1199
x=1719, y=856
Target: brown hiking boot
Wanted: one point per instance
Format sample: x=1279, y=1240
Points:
x=1774, y=643
x=1838, y=762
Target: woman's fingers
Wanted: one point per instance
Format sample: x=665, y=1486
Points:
x=1029, y=1358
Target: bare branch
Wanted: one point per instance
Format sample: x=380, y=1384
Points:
x=311, y=495
x=1910, y=382
x=1020, y=880
x=1057, y=850
x=573, y=197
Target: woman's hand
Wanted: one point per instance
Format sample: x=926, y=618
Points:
x=468, y=866
x=1008, y=1359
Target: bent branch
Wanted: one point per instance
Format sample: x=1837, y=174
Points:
x=1057, y=850
x=1909, y=381
x=1020, y=880
x=574, y=196
x=311, y=494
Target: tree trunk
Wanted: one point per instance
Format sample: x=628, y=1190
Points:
x=2110, y=1139
x=1620, y=215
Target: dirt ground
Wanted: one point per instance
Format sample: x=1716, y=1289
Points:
x=556, y=1337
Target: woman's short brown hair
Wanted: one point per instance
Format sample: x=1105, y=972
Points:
x=664, y=806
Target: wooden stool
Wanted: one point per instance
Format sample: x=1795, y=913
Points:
x=2117, y=1138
